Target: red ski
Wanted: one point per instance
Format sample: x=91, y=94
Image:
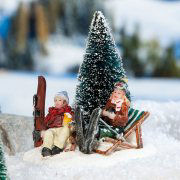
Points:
x=39, y=111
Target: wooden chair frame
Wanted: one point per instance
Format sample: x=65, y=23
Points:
x=124, y=144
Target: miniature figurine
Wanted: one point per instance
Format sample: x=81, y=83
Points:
x=123, y=123
x=57, y=132
x=116, y=109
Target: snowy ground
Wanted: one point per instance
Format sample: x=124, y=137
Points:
x=159, y=159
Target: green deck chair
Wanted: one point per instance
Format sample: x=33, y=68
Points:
x=118, y=135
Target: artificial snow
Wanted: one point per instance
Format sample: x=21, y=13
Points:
x=68, y=159
x=16, y=133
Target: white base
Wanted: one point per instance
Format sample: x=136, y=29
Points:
x=69, y=159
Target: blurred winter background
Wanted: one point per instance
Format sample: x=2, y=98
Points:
x=48, y=37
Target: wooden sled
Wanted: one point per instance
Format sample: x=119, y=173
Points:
x=136, y=118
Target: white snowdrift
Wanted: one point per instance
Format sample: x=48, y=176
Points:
x=68, y=159
x=159, y=159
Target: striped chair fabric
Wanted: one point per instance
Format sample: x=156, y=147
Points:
x=134, y=116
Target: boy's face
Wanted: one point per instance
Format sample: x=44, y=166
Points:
x=59, y=102
x=117, y=94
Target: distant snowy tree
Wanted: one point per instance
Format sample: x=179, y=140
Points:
x=77, y=16
x=21, y=28
x=131, y=45
x=18, y=50
x=101, y=68
x=153, y=56
x=3, y=169
x=168, y=66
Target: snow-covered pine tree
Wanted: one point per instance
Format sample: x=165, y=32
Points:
x=3, y=169
x=101, y=68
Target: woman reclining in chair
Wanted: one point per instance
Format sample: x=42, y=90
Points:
x=115, y=114
x=116, y=109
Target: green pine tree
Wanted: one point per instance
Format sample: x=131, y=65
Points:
x=101, y=68
x=125, y=44
x=153, y=57
x=136, y=64
x=169, y=68
x=131, y=45
x=3, y=169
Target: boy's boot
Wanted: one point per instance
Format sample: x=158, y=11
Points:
x=46, y=152
x=56, y=150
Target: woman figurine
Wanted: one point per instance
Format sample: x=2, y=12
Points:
x=115, y=112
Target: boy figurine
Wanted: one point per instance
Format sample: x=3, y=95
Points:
x=57, y=133
x=116, y=109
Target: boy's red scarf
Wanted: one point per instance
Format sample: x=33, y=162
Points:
x=53, y=112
